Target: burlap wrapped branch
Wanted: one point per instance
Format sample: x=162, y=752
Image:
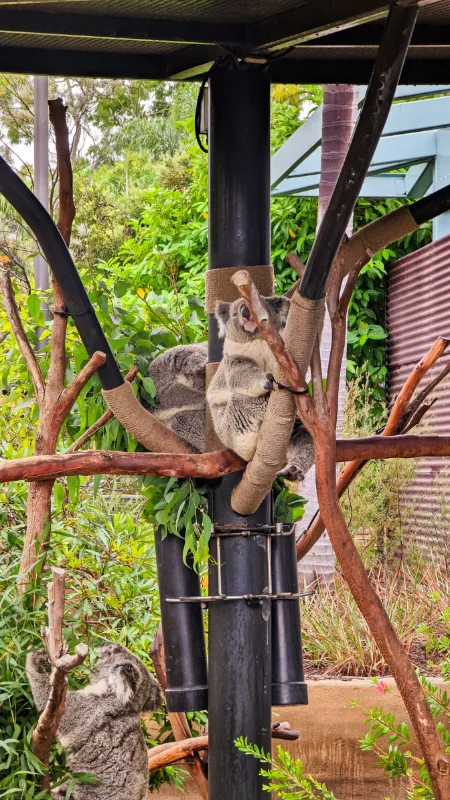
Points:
x=219, y=286
x=141, y=424
x=372, y=238
x=304, y=322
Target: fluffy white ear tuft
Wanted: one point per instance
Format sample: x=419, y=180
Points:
x=222, y=316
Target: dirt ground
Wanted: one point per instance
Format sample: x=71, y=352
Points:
x=328, y=743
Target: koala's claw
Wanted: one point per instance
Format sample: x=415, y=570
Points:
x=292, y=472
x=270, y=380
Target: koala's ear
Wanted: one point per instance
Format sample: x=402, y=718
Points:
x=222, y=316
x=280, y=305
x=154, y=699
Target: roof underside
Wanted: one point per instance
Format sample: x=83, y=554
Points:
x=306, y=41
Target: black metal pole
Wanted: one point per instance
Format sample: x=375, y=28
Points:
x=239, y=630
x=182, y=625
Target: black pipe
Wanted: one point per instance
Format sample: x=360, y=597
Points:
x=380, y=93
x=288, y=682
x=431, y=206
x=182, y=625
x=239, y=631
x=61, y=264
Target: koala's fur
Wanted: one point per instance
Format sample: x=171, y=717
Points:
x=239, y=392
x=179, y=377
x=101, y=727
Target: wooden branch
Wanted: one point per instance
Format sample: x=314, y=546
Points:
x=178, y=721
x=372, y=609
x=66, y=215
x=70, y=395
x=405, y=395
x=45, y=732
x=398, y=417
x=171, y=752
x=259, y=314
x=382, y=447
x=177, y=751
x=110, y=462
x=28, y=355
x=67, y=211
x=298, y=266
x=101, y=422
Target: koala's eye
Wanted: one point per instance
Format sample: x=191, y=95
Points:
x=128, y=669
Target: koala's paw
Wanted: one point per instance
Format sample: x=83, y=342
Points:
x=39, y=661
x=292, y=472
x=268, y=385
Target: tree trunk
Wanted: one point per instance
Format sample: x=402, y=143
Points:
x=339, y=115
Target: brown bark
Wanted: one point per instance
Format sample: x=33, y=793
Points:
x=28, y=354
x=44, y=733
x=67, y=210
x=323, y=430
x=400, y=417
x=178, y=721
x=170, y=752
x=372, y=609
x=110, y=462
x=42, y=469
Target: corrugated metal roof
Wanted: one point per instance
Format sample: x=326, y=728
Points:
x=417, y=313
x=161, y=29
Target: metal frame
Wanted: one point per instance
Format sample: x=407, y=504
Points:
x=416, y=137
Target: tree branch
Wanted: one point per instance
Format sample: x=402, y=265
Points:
x=101, y=422
x=109, y=462
x=178, y=721
x=45, y=731
x=70, y=395
x=399, y=417
x=67, y=210
x=28, y=355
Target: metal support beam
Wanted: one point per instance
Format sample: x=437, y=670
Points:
x=239, y=630
x=103, y=26
x=380, y=94
x=441, y=224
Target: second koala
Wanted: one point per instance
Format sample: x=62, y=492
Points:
x=101, y=724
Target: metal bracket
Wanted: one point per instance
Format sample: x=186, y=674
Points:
x=277, y=530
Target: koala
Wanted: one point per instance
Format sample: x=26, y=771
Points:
x=101, y=727
x=239, y=392
x=180, y=380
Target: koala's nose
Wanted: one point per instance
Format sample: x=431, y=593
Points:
x=245, y=312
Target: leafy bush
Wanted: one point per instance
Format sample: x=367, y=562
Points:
x=285, y=775
x=337, y=640
x=393, y=742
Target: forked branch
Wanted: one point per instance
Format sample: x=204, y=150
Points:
x=61, y=662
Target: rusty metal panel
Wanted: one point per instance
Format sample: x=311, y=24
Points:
x=418, y=311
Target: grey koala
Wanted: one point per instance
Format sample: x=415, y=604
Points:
x=239, y=392
x=101, y=726
x=179, y=377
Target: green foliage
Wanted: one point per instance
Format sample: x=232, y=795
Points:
x=108, y=553
x=285, y=774
x=289, y=506
x=392, y=742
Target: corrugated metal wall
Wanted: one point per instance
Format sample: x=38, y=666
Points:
x=418, y=311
